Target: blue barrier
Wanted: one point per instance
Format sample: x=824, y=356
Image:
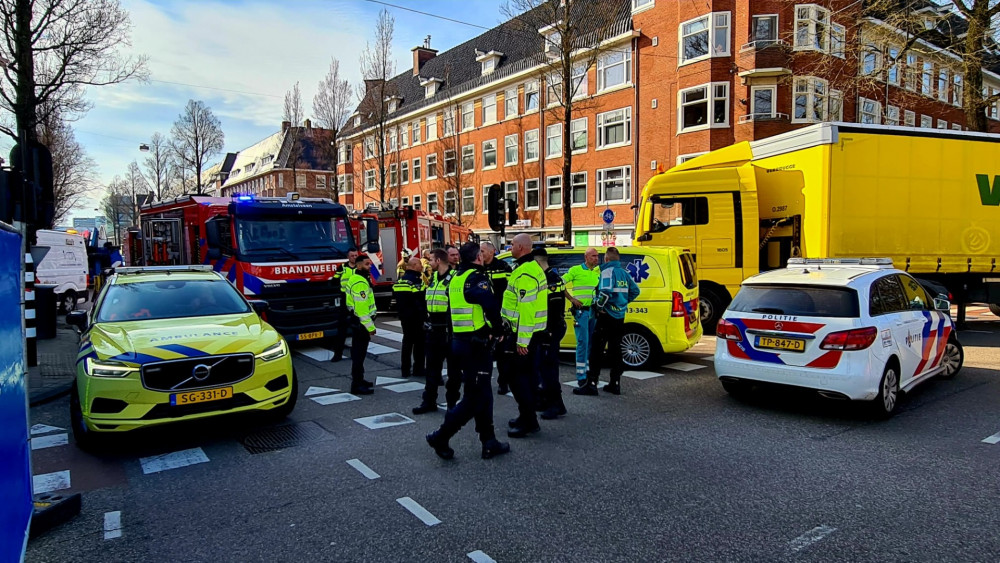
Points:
x=15, y=467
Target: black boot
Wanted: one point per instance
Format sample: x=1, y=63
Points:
x=425, y=408
x=556, y=407
x=362, y=387
x=615, y=387
x=493, y=448
x=589, y=390
x=440, y=444
x=523, y=430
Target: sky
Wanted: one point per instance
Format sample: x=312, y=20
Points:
x=240, y=57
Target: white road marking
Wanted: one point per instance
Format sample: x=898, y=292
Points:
x=406, y=387
x=49, y=441
x=397, y=324
x=994, y=439
x=641, y=375
x=810, y=537
x=390, y=335
x=334, y=399
x=318, y=354
x=112, y=525
x=44, y=429
x=418, y=511
x=48, y=482
x=383, y=421
x=378, y=349
x=684, y=366
x=362, y=468
x=388, y=380
x=600, y=384
x=479, y=557
x=319, y=391
x=173, y=460
x=709, y=358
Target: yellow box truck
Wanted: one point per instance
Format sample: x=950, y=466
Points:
x=928, y=199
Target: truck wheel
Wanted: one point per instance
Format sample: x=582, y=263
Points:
x=884, y=405
x=67, y=301
x=954, y=357
x=712, y=306
x=639, y=348
x=995, y=309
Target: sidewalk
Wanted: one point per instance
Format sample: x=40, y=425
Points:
x=56, y=369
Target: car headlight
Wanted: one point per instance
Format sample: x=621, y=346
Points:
x=108, y=368
x=278, y=350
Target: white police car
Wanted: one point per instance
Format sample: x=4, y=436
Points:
x=849, y=328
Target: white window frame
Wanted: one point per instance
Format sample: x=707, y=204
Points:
x=956, y=126
x=391, y=140
x=942, y=124
x=553, y=133
x=531, y=88
x=642, y=5
x=572, y=184
x=537, y=191
x=454, y=157
x=404, y=136
x=838, y=40
x=369, y=180
x=773, y=89
x=602, y=180
x=495, y=155
x=417, y=203
x=717, y=24
x=927, y=79
x=468, y=111
x=957, y=89
x=548, y=189
x=489, y=101
x=486, y=198
x=432, y=203
x=320, y=182
x=415, y=132
x=909, y=118
x=468, y=193
x=448, y=122
x=944, y=79
x=429, y=159
x=892, y=72
x=432, y=128
x=910, y=72
x=811, y=99
x=404, y=172
x=453, y=200
x=603, y=67
x=754, y=40
x=603, y=122
x=528, y=142
x=506, y=145
x=872, y=116
x=471, y=153
x=576, y=127
x=711, y=96
x=507, y=191
x=926, y=122
x=811, y=23
x=682, y=158
x=416, y=170
x=507, y=99
x=892, y=116
x=393, y=175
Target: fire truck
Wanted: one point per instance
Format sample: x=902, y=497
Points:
x=284, y=251
x=406, y=229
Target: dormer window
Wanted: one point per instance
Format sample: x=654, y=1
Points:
x=431, y=86
x=393, y=102
x=553, y=40
x=489, y=60
x=357, y=121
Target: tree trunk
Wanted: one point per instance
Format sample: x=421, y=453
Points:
x=567, y=87
x=336, y=166
x=25, y=60
x=975, y=111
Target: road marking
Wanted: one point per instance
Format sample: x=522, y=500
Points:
x=378, y=349
x=44, y=429
x=48, y=482
x=418, y=511
x=388, y=380
x=318, y=354
x=641, y=375
x=479, y=557
x=684, y=366
x=319, y=391
x=810, y=537
x=390, y=335
x=49, y=441
x=112, y=525
x=173, y=460
x=383, y=421
x=335, y=399
x=994, y=439
x=397, y=324
x=405, y=387
x=362, y=468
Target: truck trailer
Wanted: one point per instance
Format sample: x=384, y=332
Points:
x=285, y=251
x=927, y=199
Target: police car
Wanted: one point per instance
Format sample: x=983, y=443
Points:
x=173, y=343
x=850, y=329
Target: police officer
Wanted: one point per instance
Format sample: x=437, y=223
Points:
x=438, y=330
x=344, y=275
x=555, y=328
x=498, y=272
x=525, y=310
x=582, y=280
x=412, y=308
x=475, y=322
x=453, y=255
x=361, y=302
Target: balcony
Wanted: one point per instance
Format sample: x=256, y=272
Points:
x=762, y=44
x=764, y=58
x=762, y=117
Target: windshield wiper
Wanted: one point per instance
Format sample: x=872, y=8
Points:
x=271, y=248
x=772, y=310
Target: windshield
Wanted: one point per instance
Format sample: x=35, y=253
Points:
x=170, y=299
x=806, y=301
x=300, y=239
x=677, y=212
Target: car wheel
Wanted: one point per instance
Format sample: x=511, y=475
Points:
x=887, y=401
x=282, y=412
x=67, y=301
x=639, y=349
x=954, y=357
x=85, y=439
x=711, y=307
x=736, y=388
x=995, y=309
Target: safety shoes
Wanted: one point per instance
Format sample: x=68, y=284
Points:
x=440, y=445
x=494, y=447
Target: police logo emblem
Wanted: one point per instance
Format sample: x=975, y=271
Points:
x=364, y=295
x=484, y=285
x=523, y=293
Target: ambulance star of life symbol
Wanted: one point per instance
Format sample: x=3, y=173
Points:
x=778, y=326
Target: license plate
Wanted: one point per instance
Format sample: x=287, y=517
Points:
x=202, y=396
x=787, y=344
x=310, y=335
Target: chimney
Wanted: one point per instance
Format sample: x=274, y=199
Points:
x=371, y=83
x=308, y=124
x=285, y=125
x=422, y=54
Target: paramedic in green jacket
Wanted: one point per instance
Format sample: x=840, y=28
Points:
x=615, y=290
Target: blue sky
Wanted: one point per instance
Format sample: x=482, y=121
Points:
x=258, y=47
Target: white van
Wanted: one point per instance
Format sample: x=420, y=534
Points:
x=61, y=260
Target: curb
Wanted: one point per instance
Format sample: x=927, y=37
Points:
x=52, y=511
x=49, y=394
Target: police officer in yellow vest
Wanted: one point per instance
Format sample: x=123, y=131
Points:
x=438, y=329
x=475, y=322
x=582, y=280
x=412, y=308
x=525, y=312
x=344, y=275
x=361, y=303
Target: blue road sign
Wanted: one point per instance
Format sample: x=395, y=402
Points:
x=608, y=216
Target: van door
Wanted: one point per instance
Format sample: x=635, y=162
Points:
x=390, y=253
x=888, y=301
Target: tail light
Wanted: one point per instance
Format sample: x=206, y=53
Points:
x=857, y=339
x=728, y=331
x=678, y=308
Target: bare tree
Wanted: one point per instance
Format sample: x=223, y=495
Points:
x=575, y=36
x=294, y=114
x=451, y=141
x=125, y=196
x=197, y=136
x=981, y=17
x=157, y=166
x=378, y=66
x=55, y=49
x=115, y=206
x=72, y=169
x=332, y=106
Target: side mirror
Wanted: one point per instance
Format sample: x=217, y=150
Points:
x=371, y=236
x=77, y=319
x=645, y=237
x=942, y=304
x=259, y=306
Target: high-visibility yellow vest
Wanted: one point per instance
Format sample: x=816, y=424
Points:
x=525, y=303
x=583, y=283
x=362, y=301
x=437, y=293
x=465, y=316
x=344, y=275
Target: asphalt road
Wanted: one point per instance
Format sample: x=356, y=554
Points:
x=672, y=470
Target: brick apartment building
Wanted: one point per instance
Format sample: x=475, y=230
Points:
x=265, y=169
x=676, y=79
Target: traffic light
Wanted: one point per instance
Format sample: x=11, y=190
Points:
x=38, y=201
x=494, y=207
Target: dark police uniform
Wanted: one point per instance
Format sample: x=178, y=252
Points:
x=438, y=330
x=555, y=330
x=412, y=307
x=499, y=272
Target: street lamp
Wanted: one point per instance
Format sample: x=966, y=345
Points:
x=143, y=147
